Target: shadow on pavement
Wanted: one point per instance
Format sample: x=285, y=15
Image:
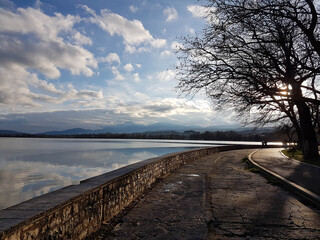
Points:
x=245, y=205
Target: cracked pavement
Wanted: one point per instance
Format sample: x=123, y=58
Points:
x=245, y=206
x=217, y=198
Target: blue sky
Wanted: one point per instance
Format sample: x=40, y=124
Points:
x=88, y=64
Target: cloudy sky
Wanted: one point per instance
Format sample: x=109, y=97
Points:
x=85, y=63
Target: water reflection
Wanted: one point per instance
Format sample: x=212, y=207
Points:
x=30, y=167
x=92, y=158
x=33, y=167
x=22, y=180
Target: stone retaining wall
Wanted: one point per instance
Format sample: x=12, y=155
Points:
x=76, y=211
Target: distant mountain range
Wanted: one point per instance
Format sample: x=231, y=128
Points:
x=9, y=132
x=137, y=128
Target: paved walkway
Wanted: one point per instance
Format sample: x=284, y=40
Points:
x=217, y=198
x=304, y=175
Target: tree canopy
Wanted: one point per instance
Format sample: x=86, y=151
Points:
x=257, y=58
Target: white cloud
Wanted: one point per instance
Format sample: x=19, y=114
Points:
x=111, y=57
x=87, y=9
x=136, y=77
x=138, y=65
x=15, y=93
x=176, y=45
x=47, y=52
x=130, y=49
x=89, y=94
x=133, y=8
x=61, y=95
x=132, y=31
x=162, y=108
x=165, y=53
x=143, y=49
x=171, y=14
x=47, y=87
x=81, y=39
x=142, y=110
x=31, y=20
x=14, y=87
x=166, y=76
x=128, y=67
x=208, y=13
x=116, y=73
x=198, y=11
x=32, y=42
x=158, y=43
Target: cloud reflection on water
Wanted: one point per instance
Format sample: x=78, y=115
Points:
x=33, y=167
x=23, y=180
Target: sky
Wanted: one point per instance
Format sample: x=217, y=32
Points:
x=89, y=64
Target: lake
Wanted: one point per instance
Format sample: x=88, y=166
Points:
x=31, y=167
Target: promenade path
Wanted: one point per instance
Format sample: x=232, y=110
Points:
x=217, y=198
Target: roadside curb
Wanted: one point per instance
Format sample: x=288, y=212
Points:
x=304, y=193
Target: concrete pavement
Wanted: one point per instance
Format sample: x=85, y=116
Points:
x=217, y=198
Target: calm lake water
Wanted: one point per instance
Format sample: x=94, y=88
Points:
x=30, y=167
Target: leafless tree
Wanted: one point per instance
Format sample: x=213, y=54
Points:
x=252, y=58
x=288, y=131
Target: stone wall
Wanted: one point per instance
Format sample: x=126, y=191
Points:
x=76, y=211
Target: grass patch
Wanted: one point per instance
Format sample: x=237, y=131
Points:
x=298, y=155
x=272, y=180
x=254, y=170
x=249, y=166
x=245, y=160
x=293, y=153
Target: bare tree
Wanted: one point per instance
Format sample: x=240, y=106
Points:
x=288, y=131
x=303, y=13
x=262, y=65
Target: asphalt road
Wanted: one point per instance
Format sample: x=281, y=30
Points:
x=217, y=198
x=302, y=174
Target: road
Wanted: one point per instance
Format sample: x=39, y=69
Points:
x=304, y=175
x=217, y=198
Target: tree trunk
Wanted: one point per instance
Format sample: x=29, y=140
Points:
x=308, y=133
x=299, y=133
x=309, y=138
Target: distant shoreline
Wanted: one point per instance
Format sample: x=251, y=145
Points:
x=170, y=135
